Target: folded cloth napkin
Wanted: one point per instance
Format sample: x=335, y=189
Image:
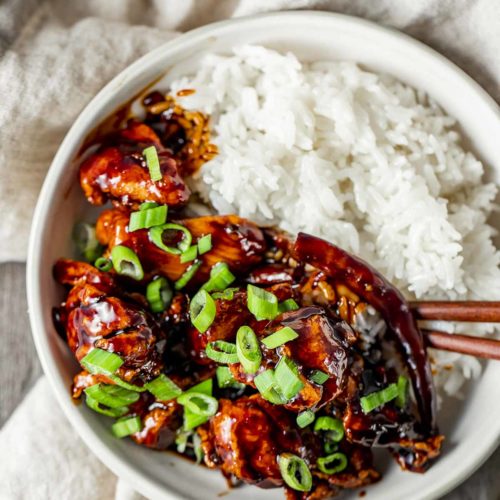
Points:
x=54, y=57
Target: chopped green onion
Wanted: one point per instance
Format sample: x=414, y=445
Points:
x=188, y=275
x=266, y=385
x=336, y=462
x=118, y=381
x=190, y=254
x=319, y=377
x=295, y=472
x=305, y=418
x=287, y=305
x=103, y=264
x=159, y=294
x=379, y=398
x=113, y=396
x=205, y=244
x=126, y=426
x=109, y=412
x=147, y=205
x=280, y=337
x=202, y=310
x=402, y=391
x=163, y=388
x=199, y=403
x=248, y=350
x=192, y=420
x=181, y=440
x=261, y=303
x=287, y=378
x=225, y=379
x=156, y=235
x=197, y=448
x=205, y=387
x=147, y=217
x=101, y=361
x=330, y=446
x=220, y=278
x=126, y=262
x=227, y=294
x=222, y=352
x=86, y=241
x=153, y=163
x=332, y=426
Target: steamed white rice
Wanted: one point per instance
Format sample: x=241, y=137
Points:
x=355, y=157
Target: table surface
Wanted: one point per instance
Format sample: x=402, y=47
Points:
x=19, y=368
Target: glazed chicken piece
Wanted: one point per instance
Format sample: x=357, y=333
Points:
x=117, y=171
x=93, y=318
x=236, y=241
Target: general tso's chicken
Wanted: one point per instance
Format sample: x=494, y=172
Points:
x=117, y=171
x=92, y=317
x=235, y=241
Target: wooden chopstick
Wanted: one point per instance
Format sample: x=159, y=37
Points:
x=470, y=311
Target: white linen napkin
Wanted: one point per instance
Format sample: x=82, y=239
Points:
x=54, y=57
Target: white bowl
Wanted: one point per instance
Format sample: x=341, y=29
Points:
x=472, y=429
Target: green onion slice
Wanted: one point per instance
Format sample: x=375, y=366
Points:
x=188, y=275
x=197, y=448
x=261, y=303
x=109, y=412
x=190, y=254
x=266, y=385
x=158, y=233
x=295, y=472
x=287, y=305
x=153, y=163
x=305, y=418
x=126, y=262
x=402, y=391
x=225, y=379
x=112, y=396
x=147, y=205
x=147, y=217
x=205, y=387
x=319, y=377
x=163, y=388
x=118, y=381
x=379, y=398
x=332, y=426
x=330, y=446
x=126, y=426
x=192, y=420
x=227, y=294
x=103, y=264
x=220, y=278
x=86, y=241
x=287, y=378
x=222, y=352
x=205, y=244
x=181, y=440
x=202, y=310
x=101, y=361
x=332, y=464
x=199, y=403
x=159, y=294
x=248, y=350
x=280, y=337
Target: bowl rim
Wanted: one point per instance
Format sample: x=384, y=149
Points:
x=142, y=482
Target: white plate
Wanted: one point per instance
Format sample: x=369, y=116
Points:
x=472, y=429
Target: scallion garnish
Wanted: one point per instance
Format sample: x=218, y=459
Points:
x=101, y=361
x=222, y=352
x=332, y=426
x=192, y=420
x=379, y=398
x=131, y=387
x=261, y=303
x=287, y=378
x=147, y=205
x=305, y=418
x=197, y=448
x=280, y=337
x=248, y=350
x=159, y=294
x=205, y=387
x=199, y=403
x=332, y=464
x=147, y=217
x=295, y=472
x=158, y=233
x=103, y=264
x=227, y=294
x=126, y=262
x=153, y=163
x=267, y=386
x=163, y=388
x=190, y=254
x=188, y=275
x=109, y=412
x=220, y=278
x=225, y=379
x=402, y=391
x=205, y=244
x=112, y=396
x=126, y=426
x=319, y=377
x=202, y=311
x=86, y=241
x=287, y=305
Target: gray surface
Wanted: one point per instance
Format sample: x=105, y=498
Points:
x=19, y=368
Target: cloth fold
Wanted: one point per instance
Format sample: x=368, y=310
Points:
x=55, y=56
